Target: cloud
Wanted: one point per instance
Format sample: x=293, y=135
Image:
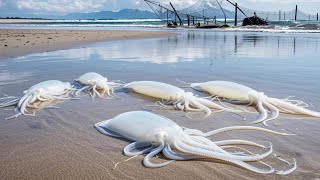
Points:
x=63, y=6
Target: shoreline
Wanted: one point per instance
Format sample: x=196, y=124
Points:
x=16, y=42
x=24, y=20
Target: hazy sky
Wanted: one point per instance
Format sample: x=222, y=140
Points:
x=61, y=7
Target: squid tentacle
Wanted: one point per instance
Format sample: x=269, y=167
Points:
x=274, y=113
x=169, y=153
x=107, y=90
x=10, y=103
x=96, y=91
x=232, y=128
x=201, y=107
x=21, y=109
x=211, y=104
x=188, y=108
x=147, y=160
x=128, y=149
x=179, y=106
x=238, y=142
x=42, y=97
x=161, y=104
x=210, y=146
x=85, y=88
x=240, y=148
x=263, y=112
x=201, y=139
x=112, y=93
x=186, y=149
x=299, y=102
x=24, y=105
x=284, y=110
x=222, y=104
x=286, y=172
x=14, y=116
x=33, y=99
x=193, y=132
x=187, y=104
x=167, y=102
x=22, y=99
x=7, y=97
x=93, y=92
x=291, y=107
x=213, y=148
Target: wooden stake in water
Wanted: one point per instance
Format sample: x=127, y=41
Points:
x=296, y=13
x=279, y=15
x=236, y=15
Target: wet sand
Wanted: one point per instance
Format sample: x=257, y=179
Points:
x=62, y=143
x=15, y=43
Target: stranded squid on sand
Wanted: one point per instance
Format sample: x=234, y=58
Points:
x=45, y=91
x=152, y=134
x=96, y=84
x=240, y=94
x=172, y=95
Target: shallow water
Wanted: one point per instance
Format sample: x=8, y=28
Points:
x=279, y=65
x=288, y=26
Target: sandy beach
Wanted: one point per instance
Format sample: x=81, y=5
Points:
x=25, y=20
x=63, y=144
x=15, y=43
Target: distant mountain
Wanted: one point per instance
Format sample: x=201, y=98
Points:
x=122, y=14
x=128, y=14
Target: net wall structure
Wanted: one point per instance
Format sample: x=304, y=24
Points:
x=163, y=11
x=278, y=15
x=212, y=9
x=203, y=10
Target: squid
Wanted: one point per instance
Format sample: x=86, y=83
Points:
x=152, y=134
x=177, y=97
x=44, y=91
x=96, y=84
x=240, y=94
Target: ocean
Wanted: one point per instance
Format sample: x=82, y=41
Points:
x=288, y=26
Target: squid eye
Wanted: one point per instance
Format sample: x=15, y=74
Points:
x=165, y=136
x=154, y=143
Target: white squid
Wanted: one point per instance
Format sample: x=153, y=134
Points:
x=94, y=83
x=240, y=94
x=152, y=134
x=45, y=91
x=172, y=95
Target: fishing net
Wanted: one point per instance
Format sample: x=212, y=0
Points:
x=163, y=11
x=212, y=9
x=274, y=15
x=203, y=9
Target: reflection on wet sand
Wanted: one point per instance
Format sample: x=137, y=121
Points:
x=188, y=46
